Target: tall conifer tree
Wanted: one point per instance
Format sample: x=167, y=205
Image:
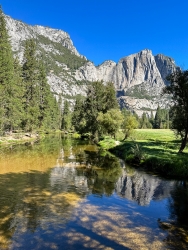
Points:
x=66, y=119
x=31, y=95
x=17, y=112
x=48, y=106
x=6, y=76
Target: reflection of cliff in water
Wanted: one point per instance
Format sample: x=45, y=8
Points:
x=103, y=175
x=143, y=188
x=95, y=174
x=68, y=179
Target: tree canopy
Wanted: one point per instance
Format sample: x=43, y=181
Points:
x=178, y=89
x=110, y=121
x=90, y=114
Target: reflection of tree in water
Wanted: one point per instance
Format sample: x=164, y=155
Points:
x=104, y=174
x=178, y=204
x=178, y=226
x=19, y=191
x=27, y=203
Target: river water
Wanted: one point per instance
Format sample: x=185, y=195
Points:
x=63, y=193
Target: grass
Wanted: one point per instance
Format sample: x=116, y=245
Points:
x=107, y=143
x=155, y=150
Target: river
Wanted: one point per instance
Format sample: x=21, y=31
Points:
x=63, y=193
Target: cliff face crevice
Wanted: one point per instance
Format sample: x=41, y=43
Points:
x=138, y=78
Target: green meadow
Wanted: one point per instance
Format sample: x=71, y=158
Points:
x=154, y=150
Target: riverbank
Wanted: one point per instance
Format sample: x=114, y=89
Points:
x=21, y=137
x=18, y=138
x=154, y=151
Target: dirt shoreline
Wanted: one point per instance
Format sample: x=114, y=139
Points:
x=15, y=138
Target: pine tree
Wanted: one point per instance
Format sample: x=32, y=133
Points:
x=78, y=119
x=178, y=89
x=66, y=119
x=167, y=120
x=60, y=113
x=95, y=102
x=152, y=119
x=144, y=121
x=31, y=95
x=100, y=98
x=158, y=118
x=6, y=77
x=46, y=99
x=110, y=97
x=55, y=113
x=17, y=111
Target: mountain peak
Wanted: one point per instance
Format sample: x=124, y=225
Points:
x=138, y=78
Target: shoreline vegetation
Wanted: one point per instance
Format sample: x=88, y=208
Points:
x=154, y=150
x=18, y=138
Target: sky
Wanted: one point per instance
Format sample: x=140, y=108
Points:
x=111, y=29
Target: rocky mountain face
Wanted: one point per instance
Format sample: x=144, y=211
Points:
x=138, y=187
x=138, y=78
x=57, y=50
x=143, y=188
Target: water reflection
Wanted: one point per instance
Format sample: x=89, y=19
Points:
x=177, y=223
x=178, y=203
x=142, y=188
x=66, y=193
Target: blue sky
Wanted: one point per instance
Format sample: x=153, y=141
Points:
x=111, y=29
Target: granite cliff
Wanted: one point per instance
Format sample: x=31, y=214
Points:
x=138, y=78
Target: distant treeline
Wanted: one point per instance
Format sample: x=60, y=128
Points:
x=159, y=121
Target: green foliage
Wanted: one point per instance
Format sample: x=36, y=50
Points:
x=138, y=152
x=66, y=116
x=49, y=110
x=107, y=143
x=144, y=121
x=129, y=124
x=30, y=76
x=94, y=103
x=158, y=152
x=78, y=120
x=26, y=101
x=110, y=99
x=100, y=98
x=110, y=121
x=17, y=110
x=178, y=89
x=161, y=118
x=6, y=78
x=41, y=108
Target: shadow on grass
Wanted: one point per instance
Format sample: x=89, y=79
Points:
x=157, y=156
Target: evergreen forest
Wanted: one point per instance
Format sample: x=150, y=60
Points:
x=26, y=102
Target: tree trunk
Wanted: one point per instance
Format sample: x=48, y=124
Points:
x=183, y=143
x=125, y=137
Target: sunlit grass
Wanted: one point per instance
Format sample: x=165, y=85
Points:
x=154, y=134
x=160, y=152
